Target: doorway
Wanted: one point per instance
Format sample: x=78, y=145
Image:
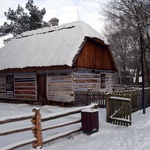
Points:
x=41, y=87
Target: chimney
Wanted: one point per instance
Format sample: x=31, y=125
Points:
x=54, y=21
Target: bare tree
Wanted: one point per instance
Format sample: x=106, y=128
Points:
x=127, y=31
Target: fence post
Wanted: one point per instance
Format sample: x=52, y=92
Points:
x=107, y=107
x=88, y=97
x=36, y=129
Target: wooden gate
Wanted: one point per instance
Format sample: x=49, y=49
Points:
x=119, y=111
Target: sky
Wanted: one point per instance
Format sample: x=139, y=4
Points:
x=65, y=10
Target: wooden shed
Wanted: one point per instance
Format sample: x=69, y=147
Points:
x=49, y=64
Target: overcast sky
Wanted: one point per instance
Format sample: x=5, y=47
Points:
x=65, y=10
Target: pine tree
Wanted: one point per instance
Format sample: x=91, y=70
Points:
x=36, y=15
x=21, y=21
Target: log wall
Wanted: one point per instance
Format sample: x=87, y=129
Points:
x=59, y=86
x=83, y=81
x=109, y=82
x=25, y=86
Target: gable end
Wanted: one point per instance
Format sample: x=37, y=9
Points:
x=94, y=55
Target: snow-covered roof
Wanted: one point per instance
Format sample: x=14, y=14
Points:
x=49, y=46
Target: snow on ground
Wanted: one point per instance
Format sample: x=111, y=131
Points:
x=109, y=137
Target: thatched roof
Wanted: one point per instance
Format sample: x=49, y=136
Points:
x=50, y=46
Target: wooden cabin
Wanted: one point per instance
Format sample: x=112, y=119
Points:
x=49, y=64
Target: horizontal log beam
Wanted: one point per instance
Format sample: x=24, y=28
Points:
x=61, y=125
x=15, y=130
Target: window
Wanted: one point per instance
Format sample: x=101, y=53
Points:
x=9, y=83
x=103, y=80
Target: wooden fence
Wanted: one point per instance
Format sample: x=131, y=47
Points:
x=136, y=97
x=83, y=98
x=121, y=104
x=119, y=111
x=126, y=87
x=38, y=127
x=18, y=130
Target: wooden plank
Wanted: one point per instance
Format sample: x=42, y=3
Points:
x=55, y=83
x=25, y=92
x=63, y=94
x=26, y=97
x=24, y=80
x=58, y=81
x=24, y=88
x=25, y=75
x=60, y=74
x=86, y=85
x=59, y=77
x=55, y=88
x=60, y=93
x=86, y=80
x=25, y=84
x=84, y=75
x=59, y=84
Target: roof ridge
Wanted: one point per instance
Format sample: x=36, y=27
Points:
x=47, y=29
x=44, y=32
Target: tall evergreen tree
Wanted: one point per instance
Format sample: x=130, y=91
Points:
x=21, y=21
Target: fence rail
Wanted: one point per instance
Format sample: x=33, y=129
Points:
x=64, y=124
x=14, y=119
x=17, y=130
x=37, y=128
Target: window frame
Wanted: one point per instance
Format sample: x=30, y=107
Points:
x=9, y=82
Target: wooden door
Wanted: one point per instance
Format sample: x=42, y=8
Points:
x=41, y=87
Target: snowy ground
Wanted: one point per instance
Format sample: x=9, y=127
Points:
x=109, y=137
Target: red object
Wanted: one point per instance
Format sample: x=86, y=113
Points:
x=90, y=121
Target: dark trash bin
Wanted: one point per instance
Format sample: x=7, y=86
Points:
x=90, y=120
